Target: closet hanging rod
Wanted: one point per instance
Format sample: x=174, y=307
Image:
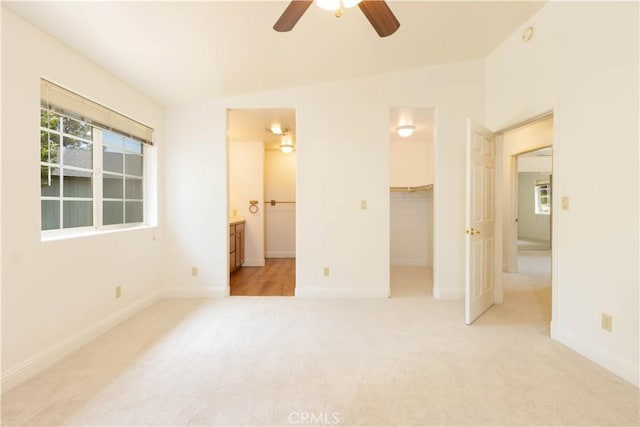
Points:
x=275, y=202
x=412, y=189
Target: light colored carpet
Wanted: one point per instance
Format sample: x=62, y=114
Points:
x=408, y=360
x=533, y=245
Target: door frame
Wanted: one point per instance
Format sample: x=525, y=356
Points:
x=555, y=199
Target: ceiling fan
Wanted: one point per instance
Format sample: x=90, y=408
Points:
x=377, y=12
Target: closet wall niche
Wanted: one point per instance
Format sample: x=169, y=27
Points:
x=411, y=187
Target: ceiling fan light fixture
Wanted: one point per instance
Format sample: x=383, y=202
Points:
x=405, y=130
x=377, y=12
x=334, y=5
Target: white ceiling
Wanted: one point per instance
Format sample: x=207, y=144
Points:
x=177, y=51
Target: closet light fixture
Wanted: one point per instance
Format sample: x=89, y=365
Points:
x=405, y=130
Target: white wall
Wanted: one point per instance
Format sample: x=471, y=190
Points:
x=531, y=226
x=411, y=163
x=342, y=131
x=591, y=78
x=411, y=229
x=246, y=182
x=280, y=220
x=58, y=294
x=535, y=164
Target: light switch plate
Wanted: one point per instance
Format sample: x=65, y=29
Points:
x=564, y=203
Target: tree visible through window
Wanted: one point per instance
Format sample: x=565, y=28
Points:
x=92, y=163
x=74, y=192
x=66, y=172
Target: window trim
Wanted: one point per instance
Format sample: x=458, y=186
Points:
x=67, y=103
x=539, y=207
x=97, y=187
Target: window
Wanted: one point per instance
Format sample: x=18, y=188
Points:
x=91, y=174
x=543, y=198
x=66, y=172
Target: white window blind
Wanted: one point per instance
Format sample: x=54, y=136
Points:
x=67, y=103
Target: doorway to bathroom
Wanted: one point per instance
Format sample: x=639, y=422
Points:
x=262, y=201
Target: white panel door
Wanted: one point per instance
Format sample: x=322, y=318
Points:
x=480, y=220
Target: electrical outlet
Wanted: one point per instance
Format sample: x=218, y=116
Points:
x=194, y=271
x=363, y=204
x=325, y=271
x=235, y=212
x=118, y=291
x=607, y=322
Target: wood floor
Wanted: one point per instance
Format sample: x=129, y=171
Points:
x=276, y=278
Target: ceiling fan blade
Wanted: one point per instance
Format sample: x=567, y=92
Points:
x=380, y=16
x=292, y=15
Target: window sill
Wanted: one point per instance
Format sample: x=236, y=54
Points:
x=89, y=232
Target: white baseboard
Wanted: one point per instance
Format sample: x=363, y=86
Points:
x=447, y=293
x=611, y=363
x=193, y=292
x=339, y=292
x=253, y=262
x=51, y=355
x=280, y=254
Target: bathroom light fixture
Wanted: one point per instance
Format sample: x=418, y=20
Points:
x=405, y=130
x=286, y=146
x=276, y=129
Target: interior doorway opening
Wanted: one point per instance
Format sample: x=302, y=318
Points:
x=411, y=177
x=262, y=201
x=527, y=216
x=534, y=200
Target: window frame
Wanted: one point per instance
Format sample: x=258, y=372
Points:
x=97, y=174
x=541, y=208
x=124, y=199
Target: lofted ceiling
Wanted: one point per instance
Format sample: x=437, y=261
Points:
x=176, y=51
